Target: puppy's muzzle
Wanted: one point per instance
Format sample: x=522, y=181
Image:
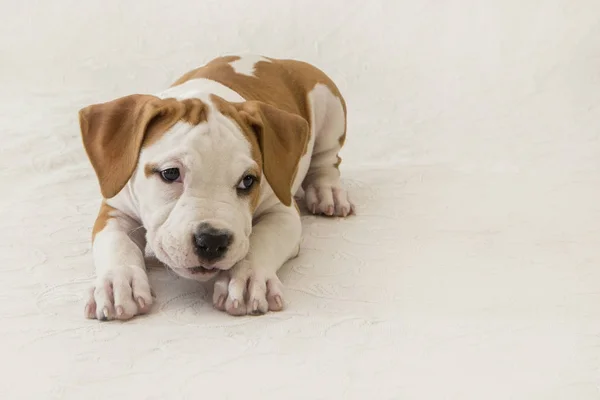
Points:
x=211, y=244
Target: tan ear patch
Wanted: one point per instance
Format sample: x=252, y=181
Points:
x=114, y=132
x=280, y=138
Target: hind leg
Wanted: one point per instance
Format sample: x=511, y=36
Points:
x=322, y=187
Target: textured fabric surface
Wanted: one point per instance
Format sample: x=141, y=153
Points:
x=473, y=154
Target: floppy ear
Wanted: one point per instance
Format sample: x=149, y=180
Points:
x=113, y=134
x=282, y=138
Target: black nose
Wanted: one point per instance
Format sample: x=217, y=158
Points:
x=210, y=243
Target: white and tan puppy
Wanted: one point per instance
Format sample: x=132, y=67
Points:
x=204, y=174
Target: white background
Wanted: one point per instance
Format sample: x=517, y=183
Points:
x=471, y=272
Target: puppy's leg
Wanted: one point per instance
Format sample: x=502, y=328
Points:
x=252, y=285
x=121, y=290
x=323, y=191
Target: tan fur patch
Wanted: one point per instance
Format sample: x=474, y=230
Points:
x=284, y=84
x=338, y=162
x=102, y=218
x=149, y=170
x=192, y=111
x=114, y=132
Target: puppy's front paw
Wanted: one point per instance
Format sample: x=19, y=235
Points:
x=244, y=290
x=119, y=293
x=328, y=200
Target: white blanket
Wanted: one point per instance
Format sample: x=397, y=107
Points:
x=470, y=272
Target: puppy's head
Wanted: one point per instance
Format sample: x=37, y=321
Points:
x=195, y=171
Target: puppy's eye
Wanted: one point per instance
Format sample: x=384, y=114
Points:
x=170, y=174
x=246, y=183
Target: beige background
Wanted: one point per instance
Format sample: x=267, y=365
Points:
x=471, y=272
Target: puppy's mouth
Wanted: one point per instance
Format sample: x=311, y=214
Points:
x=199, y=273
x=200, y=270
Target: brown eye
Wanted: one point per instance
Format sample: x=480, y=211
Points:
x=170, y=175
x=246, y=183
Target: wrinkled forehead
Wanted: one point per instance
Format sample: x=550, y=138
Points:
x=217, y=144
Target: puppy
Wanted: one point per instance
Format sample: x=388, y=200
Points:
x=204, y=174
